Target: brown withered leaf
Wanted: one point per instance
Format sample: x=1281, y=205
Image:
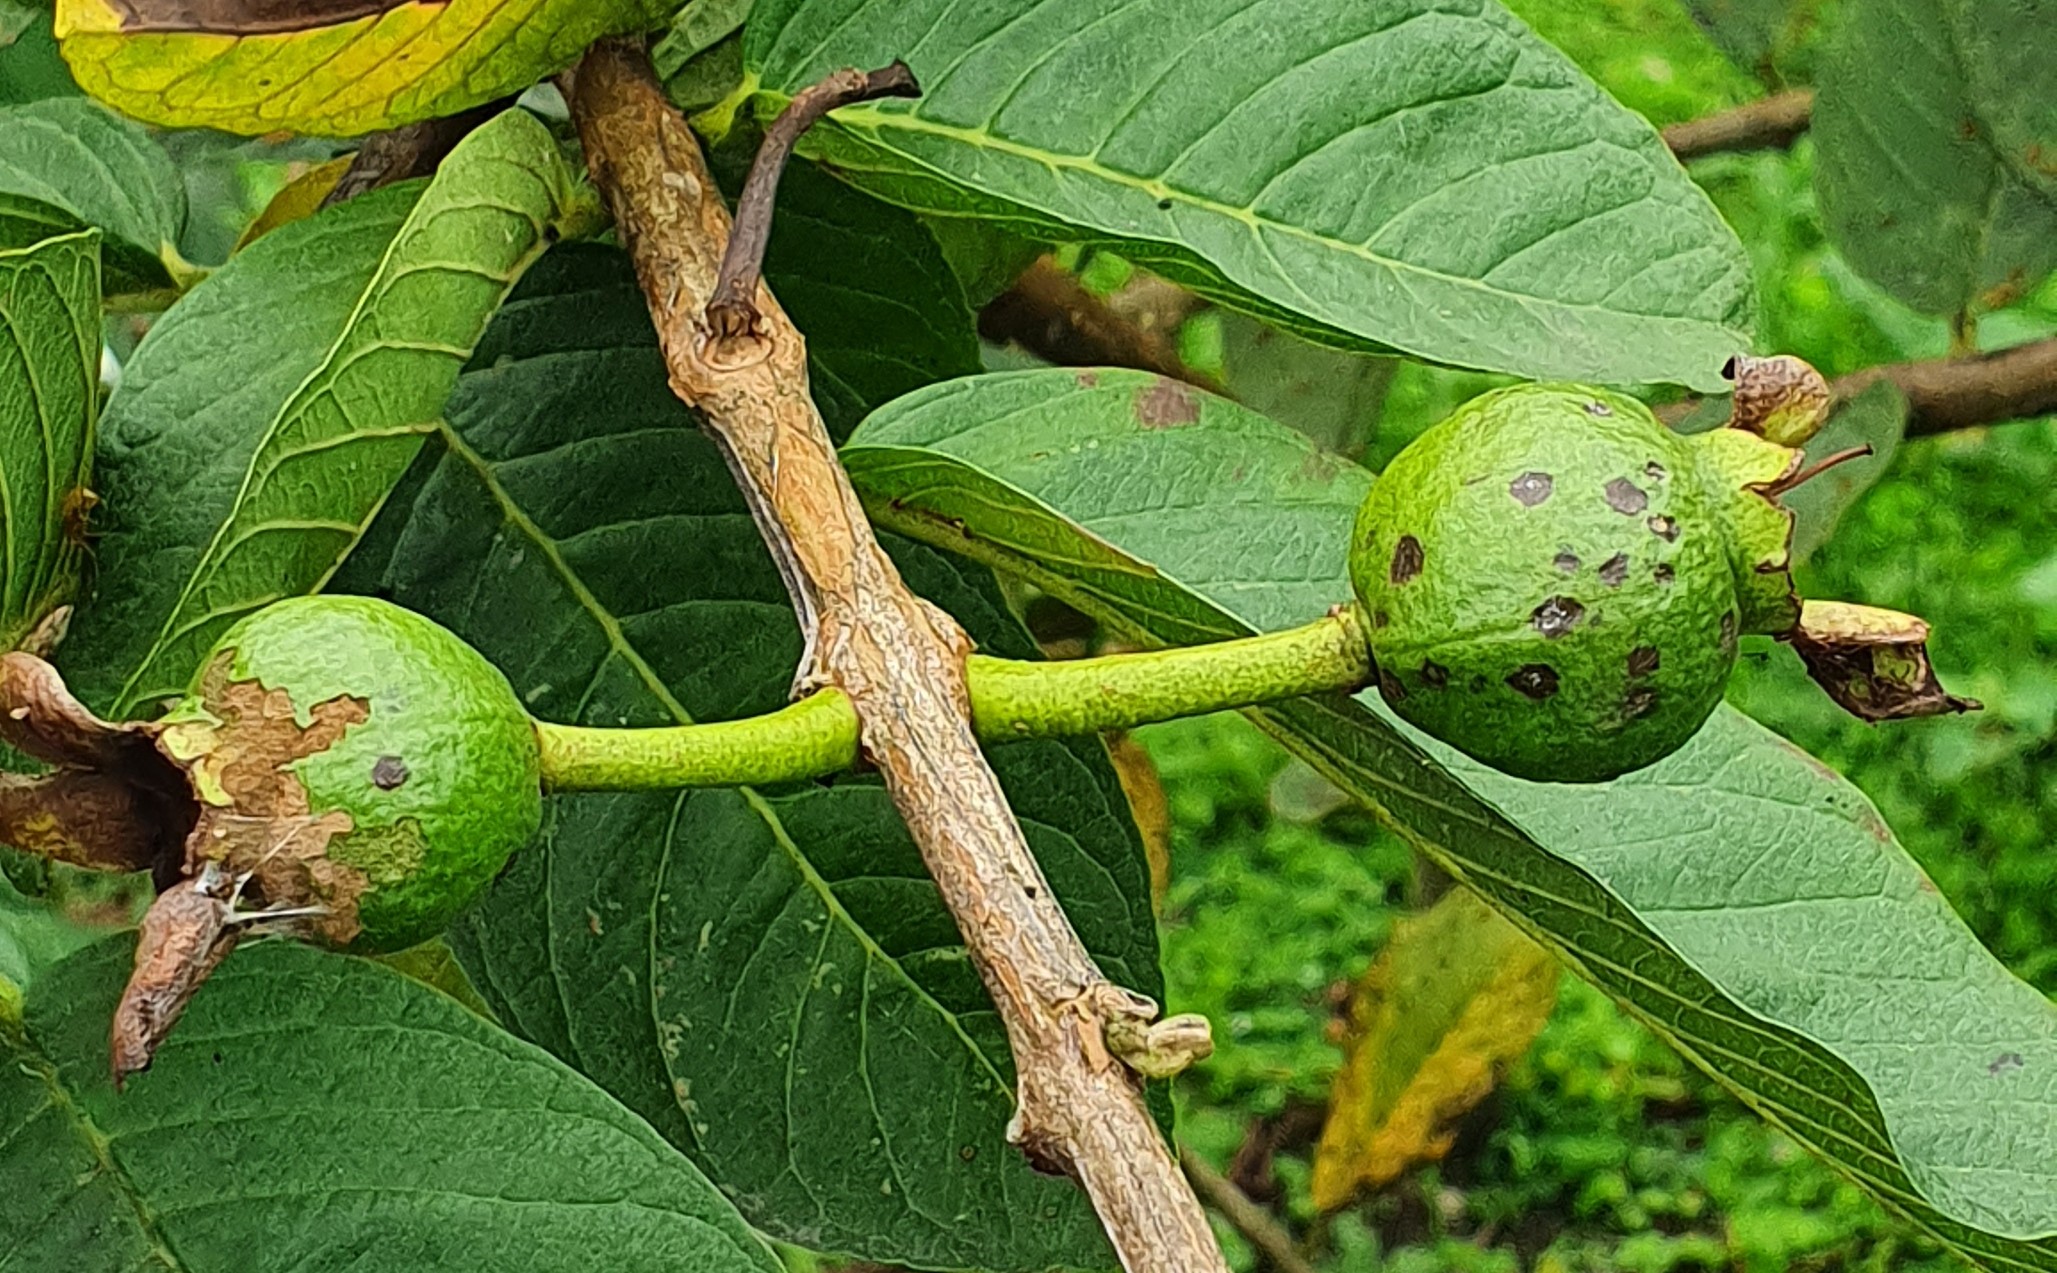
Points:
x=83, y=817
x=1457, y=995
x=185, y=935
x=1152, y=809
x=1873, y=662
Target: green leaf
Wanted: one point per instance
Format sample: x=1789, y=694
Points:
x=768, y=976
x=344, y=68
x=1739, y=897
x=263, y=420
x=30, y=66
x=1929, y=175
x=67, y=163
x=318, y=1111
x=49, y=395
x=882, y=312
x=1332, y=396
x=1876, y=418
x=1425, y=177
x=32, y=937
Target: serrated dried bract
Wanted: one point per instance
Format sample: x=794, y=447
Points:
x=254, y=813
x=1873, y=662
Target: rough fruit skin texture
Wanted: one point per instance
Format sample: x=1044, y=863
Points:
x=1548, y=585
x=441, y=781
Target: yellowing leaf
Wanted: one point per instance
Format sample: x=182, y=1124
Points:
x=1146, y=800
x=331, y=67
x=300, y=198
x=1456, y=995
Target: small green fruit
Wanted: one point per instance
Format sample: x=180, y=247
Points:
x=360, y=762
x=1554, y=582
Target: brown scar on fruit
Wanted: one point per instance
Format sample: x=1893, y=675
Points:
x=1530, y=489
x=1566, y=561
x=1556, y=616
x=1625, y=497
x=207, y=801
x=1614, y=571
x=1872, y=662
x=1537, y=680
x=1407, y=559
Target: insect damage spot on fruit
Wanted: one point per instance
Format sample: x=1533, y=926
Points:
x=1530, y=489
x=388, y=773
x=1407, y=560
x=1537, y=680
x=1642, y=661
x=1556, y=616
x=1655, y=472
x=1566, y=561
x=1665, y=528
x=1390, y=688
x=1614, y=571
x=1166, y=404
x=1599, y=409
x=1626, y=498
x=1663, y=573
x=1639, y=702
x=1434, y=675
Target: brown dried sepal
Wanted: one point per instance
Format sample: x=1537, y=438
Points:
x=1781, y=399
x=255, y=821
x=185, y=935
x=1873, y=662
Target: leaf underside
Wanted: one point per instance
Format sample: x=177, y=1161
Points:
x=69, y=163
x=1426, y=176
x=1739, y=897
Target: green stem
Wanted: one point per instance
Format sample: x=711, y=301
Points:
x=1009, y=699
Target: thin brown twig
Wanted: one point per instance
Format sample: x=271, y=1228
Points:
x=1816, y=469
x=1245, y=1215
x=733, y=311
x=411, y=150
x=1769, y=123
x=1050, y=313
x=901, y=662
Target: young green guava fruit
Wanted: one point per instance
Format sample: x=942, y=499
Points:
x=1554, y=582
x=357, y=767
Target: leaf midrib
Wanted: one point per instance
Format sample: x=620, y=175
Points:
x=881, y=122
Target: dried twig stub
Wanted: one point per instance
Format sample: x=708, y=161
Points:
x=1781, y=399
x=185, y=935
x=733, y=310
x=1873, y=662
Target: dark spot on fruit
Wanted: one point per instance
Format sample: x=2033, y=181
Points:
x=1626, y=498
x=1728, y=631
x=1598, y=408
x=1530, y=489
x=1537, y=680
x=1642, y=661
x=1640, y=702
x=1614, y=571
x=1166, y=404
x=1655, y=471
x=2005, y=1063
x=388, y=772
x=1566, y=561
x=1087, y=379
x=1556, y=616
x=1665, y=528
x=1407, y=559
x=1434, y=675
x=1380, y=618
x=967, y=1152
x=1389, y=685
x=1663, y=573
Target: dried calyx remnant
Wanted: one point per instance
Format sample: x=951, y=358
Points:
x=1556, y=584
x=343, y=771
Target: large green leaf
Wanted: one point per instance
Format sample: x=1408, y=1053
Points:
x=1930, y=176
x=767, y=977
x=319, y=1112
x=67, y=163
x=1427, y=176
x=1741, y=898
x=263, y=420
x=336, y=69
x=49, y=394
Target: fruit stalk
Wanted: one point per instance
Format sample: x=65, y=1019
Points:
x=1009, y=699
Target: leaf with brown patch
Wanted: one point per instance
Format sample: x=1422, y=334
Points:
x=1167, y=404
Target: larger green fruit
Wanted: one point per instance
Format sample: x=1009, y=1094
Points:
x=362, y=763
x=1554, y=582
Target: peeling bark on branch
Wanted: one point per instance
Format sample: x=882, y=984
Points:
x=1769, y=123
x=901, y=662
